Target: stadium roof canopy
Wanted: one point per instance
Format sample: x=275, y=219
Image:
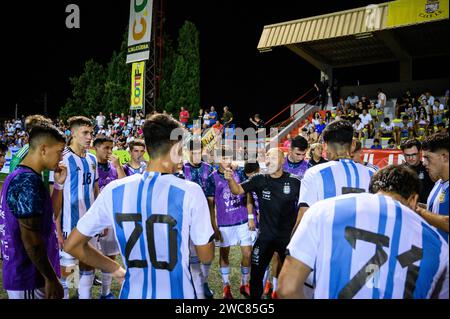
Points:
x=393, y=31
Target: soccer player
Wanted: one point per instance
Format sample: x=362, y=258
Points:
x=232, y=226
x=27, y=230
x=436, y=160
x=277, y=193
x=295, y=162
x=368, y=246
x=341, y=175
x=136, y=165
x=197, y=171
x=153, y=216
x=30, y=121
x=78, y=194
x=109, y=169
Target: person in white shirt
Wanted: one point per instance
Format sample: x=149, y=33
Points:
x=438, y=111
x=386, y=128
x=358, y=127
x=381, y=99
x=100, y=120
x=366, y=120
x=429, y=97
x=352, y=99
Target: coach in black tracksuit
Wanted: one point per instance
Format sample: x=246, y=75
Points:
x=278, y=194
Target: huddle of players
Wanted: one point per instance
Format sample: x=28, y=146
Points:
x=333, y=234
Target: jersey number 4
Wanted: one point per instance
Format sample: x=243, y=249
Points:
x=151, y=245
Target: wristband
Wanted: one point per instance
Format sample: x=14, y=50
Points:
x=58, y=186
x=251, y=217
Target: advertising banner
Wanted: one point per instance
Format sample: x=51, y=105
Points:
x=404, y=12
x=140, y=30
x=137, y=86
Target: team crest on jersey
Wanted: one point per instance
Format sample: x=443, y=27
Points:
x=442, y=197
x=93, y=166
x=226, y=196
x=287, y=188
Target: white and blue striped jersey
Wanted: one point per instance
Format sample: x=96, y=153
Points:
x=371, y=247
x=153, y=216
x=332, y=179
x=78, y=194
x=438, y=202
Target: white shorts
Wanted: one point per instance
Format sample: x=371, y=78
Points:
x=238, y=235
x=67, y=260
x=108, y=244
x=26, y=294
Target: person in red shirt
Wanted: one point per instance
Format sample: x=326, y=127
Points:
x=217, y=126
x=184, y=116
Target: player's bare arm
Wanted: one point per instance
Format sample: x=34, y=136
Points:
x=30, y=232
x=438, y=221
x=300, y=214
x=212, y=212
x=292, y=279
x=78, y=246
x=235, y=188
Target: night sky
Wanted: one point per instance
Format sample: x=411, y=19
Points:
x=40, y=53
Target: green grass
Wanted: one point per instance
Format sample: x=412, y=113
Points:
x=215, y=280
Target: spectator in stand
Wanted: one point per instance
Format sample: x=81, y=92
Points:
x=358, y=129
x=412, y=151
x=304, y=133
x=411, y=111
x=328, y=117
x=441, y=128
x=322, y=90
x=320, y=127
x=227, y=117
x=315, y=155
x=100, y=120
x=359, y=107
x=313, y=136
x=366, y=120
x=3, y=151
x=438, y=111
x=405, y=130
x=206, y=119
x=341, y=105
x=373, y=112
x=217, y=126
x=386, y=128
x=260, y=129
x=317, y=119
x=365, y=102
x=184, y=116
x=376, y=144
x=213, y=117
x=382, y=99
x=122, y=120
x=352, y=99
x=391, y=144
x=429, y=97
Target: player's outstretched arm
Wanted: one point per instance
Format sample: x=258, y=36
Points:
x=78, y=246
x=292, y=279
x=30, y=232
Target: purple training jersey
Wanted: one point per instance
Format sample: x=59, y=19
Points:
x=297, y=169
x=197, y=174
x=106, y=174
x=131, y=171
x=19, y=272
x=231, y=209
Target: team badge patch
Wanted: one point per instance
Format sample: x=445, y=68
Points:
x=287, y=188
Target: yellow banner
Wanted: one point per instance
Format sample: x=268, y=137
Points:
x=137, y=85
x=403, y=12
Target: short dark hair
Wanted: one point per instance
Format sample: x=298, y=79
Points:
x=391, y=140
x=405, y=117
x=76, y=121
x=45, y=132
x=100, y=139
x=386, y=120
x=398, y=179
x=436, y=142
x=299, y=142
x=251, y=167
x=137, y=142
x=157, y=131
x=36, y=119
x=3, y=148
x=376, y=140
x=339, y=132
x=410, y=144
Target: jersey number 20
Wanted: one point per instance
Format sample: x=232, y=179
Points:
x=149, y=228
